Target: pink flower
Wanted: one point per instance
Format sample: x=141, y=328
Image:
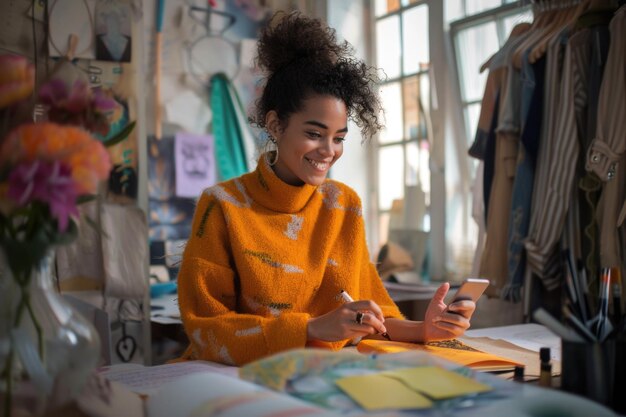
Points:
x=50, y=183
x=56, y=94
x=17, y=78
x=101, y=102
x=75, y=148
x=77, y=104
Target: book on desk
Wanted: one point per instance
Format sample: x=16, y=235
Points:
x=452, y=350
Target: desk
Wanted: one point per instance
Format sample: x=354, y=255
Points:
x=520, y=395
x=215, y=388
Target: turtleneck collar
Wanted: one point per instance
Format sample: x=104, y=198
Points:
x=271, y=192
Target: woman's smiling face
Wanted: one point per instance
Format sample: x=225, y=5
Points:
x=312, y=140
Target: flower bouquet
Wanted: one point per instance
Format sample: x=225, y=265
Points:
x=47, y=168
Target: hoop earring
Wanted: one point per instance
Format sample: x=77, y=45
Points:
x=271, y=140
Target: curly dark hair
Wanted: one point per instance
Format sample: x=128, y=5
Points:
x=300, y=57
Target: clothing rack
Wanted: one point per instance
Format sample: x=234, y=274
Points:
x=568, y=162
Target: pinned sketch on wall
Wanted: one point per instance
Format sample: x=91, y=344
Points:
x=71, y=17
x=123, y=180
x=169, y=216
x=113, y=31
x=195, y=165
x=188, y=111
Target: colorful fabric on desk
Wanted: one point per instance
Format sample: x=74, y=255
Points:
x=276, y=371
x=264, y=257
x=312, y=374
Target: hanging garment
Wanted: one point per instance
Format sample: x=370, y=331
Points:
x=487, y=147
x=607, y=155
x=555, y=168
x=589, y=184
x=509, y=132
x=229, y=146
x=483, y=147
x=532, y=98
x=248, y=138
x=505, y=150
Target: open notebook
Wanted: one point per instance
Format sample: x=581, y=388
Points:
x=199, y=388
x=452, y=350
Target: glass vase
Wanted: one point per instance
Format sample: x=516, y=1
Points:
x=47, y=348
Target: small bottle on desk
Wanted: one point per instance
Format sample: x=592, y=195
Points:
x=545, y=374
x=518, y=373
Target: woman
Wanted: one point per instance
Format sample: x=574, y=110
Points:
x=271, y=251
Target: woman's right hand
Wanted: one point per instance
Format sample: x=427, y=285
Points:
x=341, y=323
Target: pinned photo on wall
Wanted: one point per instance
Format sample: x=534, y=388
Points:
x=113, y=31
x=169, y=216
x=195, y=165
x=70, y=28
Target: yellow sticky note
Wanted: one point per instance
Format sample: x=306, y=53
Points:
x=437, y=383
x=379, y=392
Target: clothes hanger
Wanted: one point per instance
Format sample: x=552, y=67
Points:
x=563, y=11
x=544, y=13
x=201, y=53
x=569, y=15
x=517, y=30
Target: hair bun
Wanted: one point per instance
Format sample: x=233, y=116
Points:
x=293, y=37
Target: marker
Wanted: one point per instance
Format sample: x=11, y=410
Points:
x=347, y=299
x=617, y=295
x=577, y=325
x=603, y=309
x=545, y=318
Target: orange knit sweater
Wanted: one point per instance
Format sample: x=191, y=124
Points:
x=264, y=257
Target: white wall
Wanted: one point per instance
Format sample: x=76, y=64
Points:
x=351, y=21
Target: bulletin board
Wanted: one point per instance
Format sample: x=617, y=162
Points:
x=184, y=101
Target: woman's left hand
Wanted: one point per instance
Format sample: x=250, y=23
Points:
x=443, y=322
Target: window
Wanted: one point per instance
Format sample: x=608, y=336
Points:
x=403, y=147
x=478, y=28
x=409, y=40
x=475, y=39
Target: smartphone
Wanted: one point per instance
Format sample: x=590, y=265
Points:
x=471, y=289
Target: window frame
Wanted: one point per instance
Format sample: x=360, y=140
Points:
x=377, y=213
x=496, y=15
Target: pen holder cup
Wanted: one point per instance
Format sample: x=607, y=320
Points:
x=596, y=371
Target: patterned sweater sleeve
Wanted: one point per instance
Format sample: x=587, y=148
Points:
x=207, y=288
x=370, y=285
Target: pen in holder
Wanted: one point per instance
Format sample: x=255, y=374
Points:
x=596, y=371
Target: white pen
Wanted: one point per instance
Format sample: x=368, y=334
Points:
x=346, y=298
